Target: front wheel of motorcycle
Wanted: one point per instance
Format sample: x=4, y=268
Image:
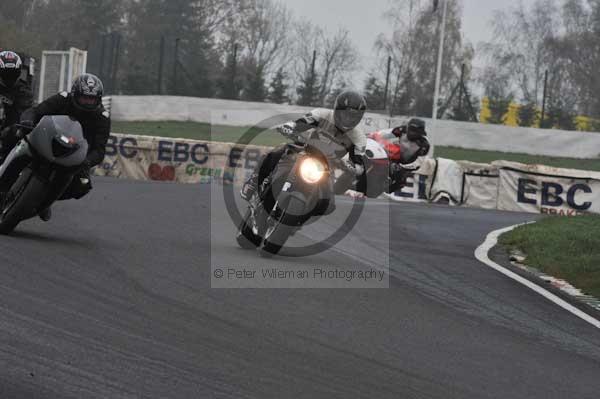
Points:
x=14, y=203
x=281, y=229
x=246, y=238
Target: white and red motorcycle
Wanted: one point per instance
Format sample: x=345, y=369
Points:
x=392, y=156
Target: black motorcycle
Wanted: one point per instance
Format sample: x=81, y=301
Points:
x=38, y=171
x=2, y=114
x=300, y=187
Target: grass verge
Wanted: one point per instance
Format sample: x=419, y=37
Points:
x=196, y=131
x=566, y=248
x=204, y=131
x=490, y=156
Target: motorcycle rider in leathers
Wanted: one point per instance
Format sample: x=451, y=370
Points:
x=15, y=96
x=84, y=104
x=339, y=125
x=404, y=144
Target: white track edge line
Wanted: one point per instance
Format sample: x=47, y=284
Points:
x=482, y=254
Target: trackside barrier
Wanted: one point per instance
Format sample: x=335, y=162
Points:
x=475, y=136
x=508, y=186
x=177, y=160
x=543, y=189
x=501, y=185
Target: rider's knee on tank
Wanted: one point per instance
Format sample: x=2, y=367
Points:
x=79, y=188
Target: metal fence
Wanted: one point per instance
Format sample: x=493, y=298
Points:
x=58, y=68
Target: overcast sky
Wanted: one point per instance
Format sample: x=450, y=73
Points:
x=365, y=22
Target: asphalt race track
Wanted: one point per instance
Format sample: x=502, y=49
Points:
x=112, y=299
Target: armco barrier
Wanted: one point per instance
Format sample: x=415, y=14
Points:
x=500, y=185
x=447, y=133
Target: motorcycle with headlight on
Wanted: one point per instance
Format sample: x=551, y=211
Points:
x=38, y=171
x=300, y=187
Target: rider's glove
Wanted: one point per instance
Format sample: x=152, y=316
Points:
x=395, y=168
x=20, y=133
x=424, y=147
x=24, y=128
x=359, y=170
x=287, y=129
x=354, y=168
x=86, y=166
x=27, y=124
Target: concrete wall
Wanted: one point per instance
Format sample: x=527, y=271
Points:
x=447, y=133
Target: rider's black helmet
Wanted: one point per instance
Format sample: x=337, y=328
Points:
x=86, y=92
x=10, y=68
x=349, y=110
x=414, y=128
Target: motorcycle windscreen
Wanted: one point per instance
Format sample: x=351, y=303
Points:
x=59, y=139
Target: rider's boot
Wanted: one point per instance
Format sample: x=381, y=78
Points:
x=250, y=187
x=46, y=214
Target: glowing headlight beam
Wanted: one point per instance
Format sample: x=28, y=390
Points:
x=312, y=170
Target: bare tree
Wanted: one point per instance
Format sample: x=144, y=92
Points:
x=211, y=15
x=307, y=39
x=520, y=46
x=265, y=31
x=336, y=59
x=340, y=58
x=558, y=37
x=413, y=47
x=578, y=50
x=257, y=32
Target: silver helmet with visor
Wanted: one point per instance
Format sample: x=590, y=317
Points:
x=349, y=109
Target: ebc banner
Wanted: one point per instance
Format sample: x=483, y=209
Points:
x=532, y=191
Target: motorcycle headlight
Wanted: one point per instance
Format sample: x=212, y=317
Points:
x=312, y=170
x=63, y=146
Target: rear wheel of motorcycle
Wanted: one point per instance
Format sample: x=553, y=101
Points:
x=12, y=205
x=246, y=238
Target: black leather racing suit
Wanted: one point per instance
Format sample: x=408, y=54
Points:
x=14, y=101
x=96, y=130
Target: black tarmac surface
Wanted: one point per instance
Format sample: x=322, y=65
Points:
x=112, y=299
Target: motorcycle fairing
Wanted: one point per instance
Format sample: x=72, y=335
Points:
x=16, y=160
x=54, y=129
x=286, y=183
